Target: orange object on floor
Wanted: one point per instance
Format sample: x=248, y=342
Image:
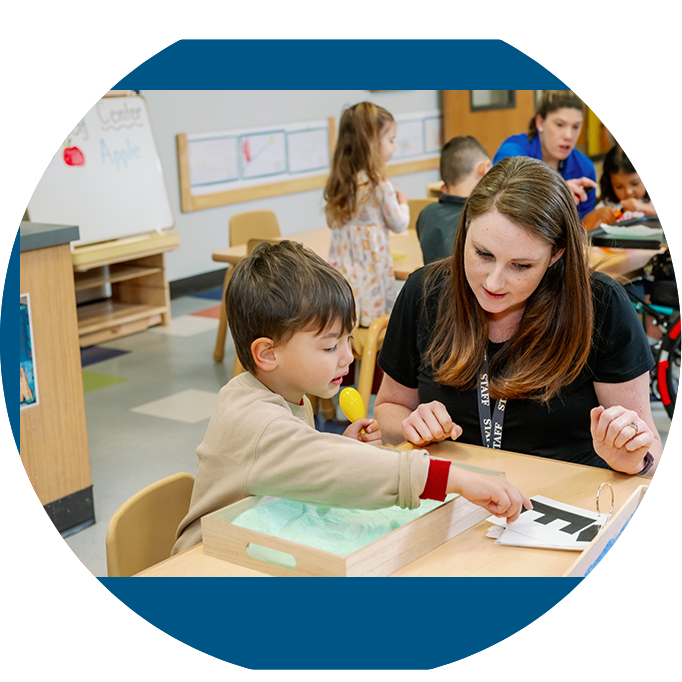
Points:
x=213, y=312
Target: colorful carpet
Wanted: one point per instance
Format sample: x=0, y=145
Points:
x=671, y=464
x=213, y=312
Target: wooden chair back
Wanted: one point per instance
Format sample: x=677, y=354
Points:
x=367, y=343
x=141, y=532
x=251, y=225
x=416, y=207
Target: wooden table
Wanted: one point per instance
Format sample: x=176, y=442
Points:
x=621, y=264
x=407, y=254
x=407, y=257
x=470, y=553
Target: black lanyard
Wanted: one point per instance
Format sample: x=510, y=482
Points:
x=491, y=427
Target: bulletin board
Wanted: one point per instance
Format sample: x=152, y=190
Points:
x=418, y=141
x=231, y=167
x=235, y=166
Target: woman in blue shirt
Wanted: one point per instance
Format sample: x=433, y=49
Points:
x=552, y=135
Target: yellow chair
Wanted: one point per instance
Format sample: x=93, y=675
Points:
x=252, y=225
x=367, y=343
x=416, y=207
x=141, y=532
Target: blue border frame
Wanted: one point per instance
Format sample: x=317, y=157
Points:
x=215, y=182
x=399, y=159
x=320, y=623
x=28, y=365
x=291, y=133
x=440, y=123
x=242, y=170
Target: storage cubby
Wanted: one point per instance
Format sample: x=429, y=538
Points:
x=139, y=293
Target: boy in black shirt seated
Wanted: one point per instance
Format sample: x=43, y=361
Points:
x=463, y=162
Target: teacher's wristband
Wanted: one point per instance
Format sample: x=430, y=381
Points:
x=648, y=463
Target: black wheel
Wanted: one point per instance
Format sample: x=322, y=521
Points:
x=668, y=369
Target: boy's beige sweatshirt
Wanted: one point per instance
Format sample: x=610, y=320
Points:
x=259, y=444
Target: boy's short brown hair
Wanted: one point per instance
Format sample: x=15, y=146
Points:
x=459, y=157
x=281, y=289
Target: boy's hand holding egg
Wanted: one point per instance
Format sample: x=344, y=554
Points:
x=361, y=428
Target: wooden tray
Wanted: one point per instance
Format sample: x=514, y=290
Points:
x=382, y=557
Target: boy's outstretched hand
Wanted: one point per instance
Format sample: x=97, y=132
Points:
x=493, y=493
x=372, y=433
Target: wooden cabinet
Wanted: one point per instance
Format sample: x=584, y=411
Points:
x=491, y=126
x=135, y=272
x=54, y=441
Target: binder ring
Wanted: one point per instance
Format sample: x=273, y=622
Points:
x=613, y=497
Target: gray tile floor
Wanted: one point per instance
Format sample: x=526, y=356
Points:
x=131, y=449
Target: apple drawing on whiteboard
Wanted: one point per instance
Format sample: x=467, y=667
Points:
x=73, y=156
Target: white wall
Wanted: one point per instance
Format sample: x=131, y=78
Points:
x=178, y=111
x=648, y=125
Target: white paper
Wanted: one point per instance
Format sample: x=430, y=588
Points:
x=212, y=161
x=551, y=524
x=248, y=157
x=409, y=139
x=263, y=155
x=632, y=231
x=308, y=150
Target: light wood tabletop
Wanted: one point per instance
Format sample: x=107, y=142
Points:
x=470, y=553
x=621, y=264
x=407, y=254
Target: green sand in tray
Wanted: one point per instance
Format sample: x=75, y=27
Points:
x=331, y=529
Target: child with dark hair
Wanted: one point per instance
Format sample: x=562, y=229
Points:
x=622, y=192
x=291, y=316
x=463, y=162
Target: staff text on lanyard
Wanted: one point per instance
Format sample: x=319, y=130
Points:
x=491, y=426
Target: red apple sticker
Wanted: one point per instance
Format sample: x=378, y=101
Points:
x=73, y=156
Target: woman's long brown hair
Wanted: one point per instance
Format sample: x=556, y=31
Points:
x=357, y=149
x=552, y=343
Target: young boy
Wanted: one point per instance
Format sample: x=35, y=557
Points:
x=463, y=162
x=291, y=316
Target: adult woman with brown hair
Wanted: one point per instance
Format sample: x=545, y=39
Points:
x=513, y=343
x=552, y=136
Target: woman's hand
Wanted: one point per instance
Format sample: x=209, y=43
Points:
x=402, y=197
x=372, y=433
x=617, y=441
x=577, y=187
x=430, y=423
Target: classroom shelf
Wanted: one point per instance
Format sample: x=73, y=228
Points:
x=115, y=273
x=105, y=320
x=136, y=273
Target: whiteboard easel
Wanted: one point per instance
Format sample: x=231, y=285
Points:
x=107, y=176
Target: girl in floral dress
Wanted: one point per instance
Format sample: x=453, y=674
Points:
x=362, y=207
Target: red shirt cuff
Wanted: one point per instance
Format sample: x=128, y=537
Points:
x=436, y=481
